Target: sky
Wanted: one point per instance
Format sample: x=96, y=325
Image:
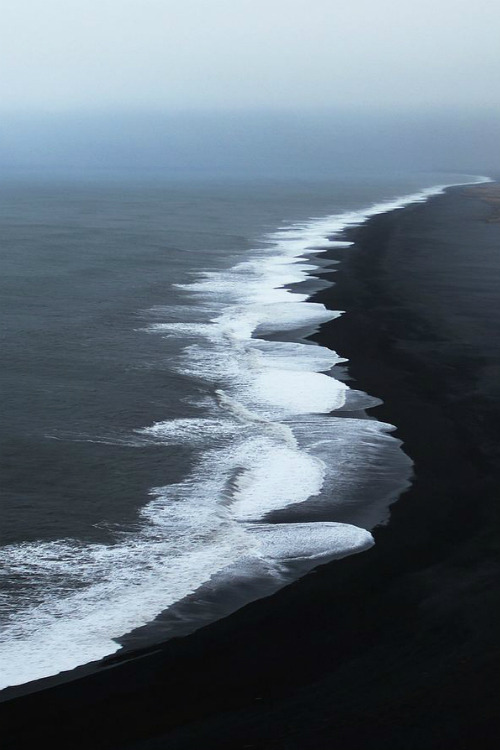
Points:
x=274, y=87
x=226, y=54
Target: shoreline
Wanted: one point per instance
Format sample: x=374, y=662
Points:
x=381, y=647
x=216, y=598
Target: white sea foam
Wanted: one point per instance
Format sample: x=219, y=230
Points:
x=73, y=600
x=314, y=541
x=273, y=477
x=267, y=446
x=297, y=392
x=191, y=431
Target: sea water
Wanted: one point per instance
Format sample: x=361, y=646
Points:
x=172, y=442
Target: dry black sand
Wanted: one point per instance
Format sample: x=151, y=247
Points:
x=396, y=648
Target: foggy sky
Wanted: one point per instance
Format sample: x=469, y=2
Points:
x=227, y=54
x=248, y=87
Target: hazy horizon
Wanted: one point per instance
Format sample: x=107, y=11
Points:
x=248, y=87
x=252, y=144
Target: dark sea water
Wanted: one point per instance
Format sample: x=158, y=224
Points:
x=167, y=429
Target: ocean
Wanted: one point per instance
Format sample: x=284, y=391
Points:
x=173, y=443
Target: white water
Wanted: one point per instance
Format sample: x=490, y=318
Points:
x=268, y=444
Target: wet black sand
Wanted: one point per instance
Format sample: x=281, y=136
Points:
x=397, y=647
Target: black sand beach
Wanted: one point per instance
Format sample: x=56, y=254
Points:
x=396, y=647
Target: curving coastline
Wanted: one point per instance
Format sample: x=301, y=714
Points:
x=393, y=647
x=284, y=476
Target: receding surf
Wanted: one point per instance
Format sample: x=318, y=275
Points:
x=270, y=461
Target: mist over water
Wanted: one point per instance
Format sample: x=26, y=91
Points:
x=288, y=144
x=168, y=431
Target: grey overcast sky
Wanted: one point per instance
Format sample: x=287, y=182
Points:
x=226, y=54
